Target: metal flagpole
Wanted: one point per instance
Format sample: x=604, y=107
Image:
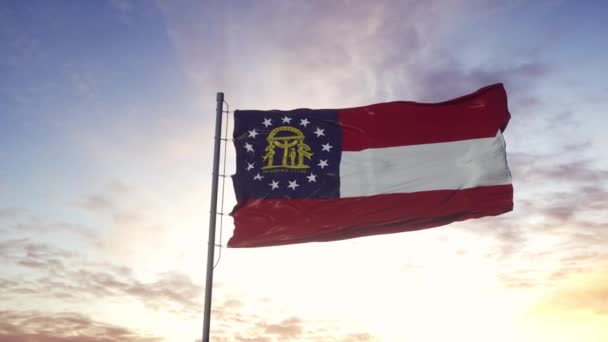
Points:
x=213, y=215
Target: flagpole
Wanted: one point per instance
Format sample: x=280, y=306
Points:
x=213, y=215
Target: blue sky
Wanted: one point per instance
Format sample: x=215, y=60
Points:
x=106, y=121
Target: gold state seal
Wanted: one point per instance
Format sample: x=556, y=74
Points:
x=292, y=151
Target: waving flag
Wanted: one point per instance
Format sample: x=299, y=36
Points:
x=321, y=175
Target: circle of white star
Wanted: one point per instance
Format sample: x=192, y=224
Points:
x=323, y=164
x=274, y=185
x=326, y=147
x=267, y=122
x=252, y=133
x=249, y=166
x=248, y=147
x=312, y=177
x=293, y=184
x=319, y=132
x=258, y=176
x=304, y=122
x=286, y=120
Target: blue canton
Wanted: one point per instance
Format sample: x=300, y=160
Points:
x=287, y=154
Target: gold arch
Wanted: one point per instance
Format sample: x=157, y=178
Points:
x=292, y=147
x=285, y=128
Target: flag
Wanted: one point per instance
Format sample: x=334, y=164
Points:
x=309, y=175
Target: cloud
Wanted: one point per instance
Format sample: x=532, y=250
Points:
x=253, y=339
x=389, y=50
x=96, y=203
x=22, y=43
x=107, y=200
x=25, y=326
x=447, y=81
x=559, y=218
x=108, y=205
x=126, y=214
x=233, y=322
x=122, y=6
x=585, y=291
x=566, y=192
x=9, y=213
x=25, y=223
x=56, y=273
x=285, y=330
x=23, y=250
x=364, y=337
x=574, y=171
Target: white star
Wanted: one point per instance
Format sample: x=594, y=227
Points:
x=323, y=164
x=304, y=122
x=327, y=147
x=293, y=184
x=248, y=147
x=252, y=133
x=249, y=166
x=319, y=132
x=312, y=178
x=286, y=119
x=258, y=176
x=274, y=185
x=267, y=122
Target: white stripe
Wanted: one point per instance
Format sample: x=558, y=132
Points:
x=442, y=166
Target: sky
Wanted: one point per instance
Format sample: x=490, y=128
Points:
x=106, y=132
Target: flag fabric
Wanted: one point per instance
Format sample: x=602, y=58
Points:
x=308, y=175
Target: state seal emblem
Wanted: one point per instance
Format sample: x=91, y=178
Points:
x=286, y=149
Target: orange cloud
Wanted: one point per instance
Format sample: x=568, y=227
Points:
x=577, y=310
x=232, y=322
x=585, y=292
x=26, y=326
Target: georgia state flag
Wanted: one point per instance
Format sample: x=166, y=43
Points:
x=321, y=175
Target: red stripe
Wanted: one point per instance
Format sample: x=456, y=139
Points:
x=477, y=115
x=273, y=222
